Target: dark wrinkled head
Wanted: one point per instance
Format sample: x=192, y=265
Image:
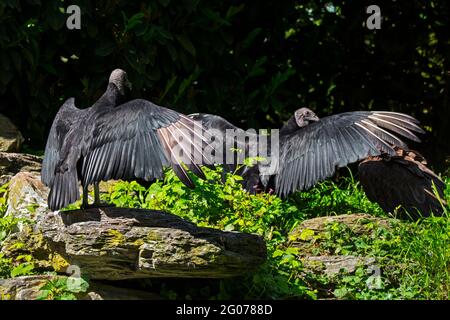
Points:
x=120, y=79
x=304, y=116
x=301, y=118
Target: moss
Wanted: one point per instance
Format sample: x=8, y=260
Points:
x=58, y=263
x=138, y=242
x=37, y=242
x=26, y=242
x=205, y=254
x=35, y=245
x=4, y=296
x=114, y=238
x=153, y=236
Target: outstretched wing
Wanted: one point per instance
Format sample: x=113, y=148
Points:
x=136, y=139
x=61, y=126
x=313, y=153
x=62, y=152
x=402, y=180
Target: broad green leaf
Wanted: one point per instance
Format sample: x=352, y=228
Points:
x=186, y=43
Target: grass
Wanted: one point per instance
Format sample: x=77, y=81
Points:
x=331, y=197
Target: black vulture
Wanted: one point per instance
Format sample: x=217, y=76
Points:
x=69, y=118
x=311, y=149
x=113, y=140
x=402, y=180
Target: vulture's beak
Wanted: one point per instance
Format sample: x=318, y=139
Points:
x=312, y=118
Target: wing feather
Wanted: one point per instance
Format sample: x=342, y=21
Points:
x=64, y=122
x=313, y=152
x=138, y=138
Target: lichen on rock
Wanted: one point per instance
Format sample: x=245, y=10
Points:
x=119, y=243
x=309, y=235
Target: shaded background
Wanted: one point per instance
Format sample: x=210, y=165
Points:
x=252, y=62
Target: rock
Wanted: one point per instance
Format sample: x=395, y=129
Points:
x=23, y=288
x=27, y=196
x=27, y=200
x=358, y=223
x=118, y=243
x=29, y=288
x=29, y=242
x=309, y=232
x=114, y=243
x=333, y=265
x=10, y=137
x=13, y=163
x=309, y=235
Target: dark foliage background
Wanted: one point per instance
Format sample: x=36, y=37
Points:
x=253, y=62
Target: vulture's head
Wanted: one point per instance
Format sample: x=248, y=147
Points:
x=120, y=79
x=301, y=118
x=304, y=116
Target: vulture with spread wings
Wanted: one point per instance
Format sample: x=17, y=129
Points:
x=312, y=149
x=114, y=140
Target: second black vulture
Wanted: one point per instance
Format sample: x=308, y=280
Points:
x=404, y=181
x=125, y=141
x=312, y=149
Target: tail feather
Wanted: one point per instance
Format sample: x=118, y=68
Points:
x=64, y=190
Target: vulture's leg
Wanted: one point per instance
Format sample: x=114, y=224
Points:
x=85, y=203
x=97, y=203
x=96, y=194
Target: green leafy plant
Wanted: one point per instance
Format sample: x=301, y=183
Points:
x=413, y=257
x=58, y=289
x=402, y=251
x=330, y=197
x=7, y=223
x=21, y=264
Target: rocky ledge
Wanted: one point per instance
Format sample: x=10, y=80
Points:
x=32, y=288
x=123, y=243
x=308, y=236
x=117, y=243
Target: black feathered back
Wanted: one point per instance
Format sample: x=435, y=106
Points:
x=402, y=180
